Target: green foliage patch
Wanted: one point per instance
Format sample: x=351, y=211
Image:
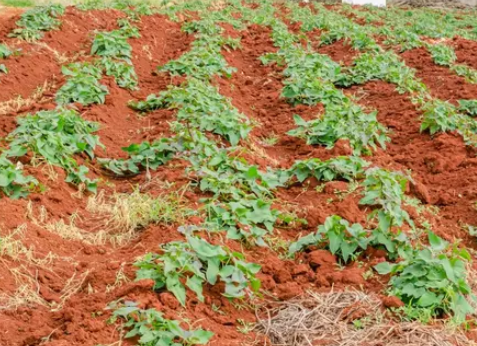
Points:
x=198, y=262
x=153, y=329
x=343, y=121
x=57, y=136
x=468, y=107
x=142, y=156
x=343, y=240
x=5, y=52
x=432, y=279
x=83, y=85
x=112, y=44
x=386, y=189
x=123, y=72
x=202, y=106
x=37, y=20
x=13, y=183
x=343, y=167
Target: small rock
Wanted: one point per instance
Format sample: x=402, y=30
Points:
x=169, y=300
x=333, y=186
x=267, y=282
x=288, y=290
x=87, y=250
x=375, y=253
x=353, y=278
x=334, y=278
x=342, y=148
x=321, y=281
x=321, y=257
x=421, y=192
x=392, y=302
x=435, y=164
x=59, y=343
x=49, y=296
x=282, y=276
x=300, y=269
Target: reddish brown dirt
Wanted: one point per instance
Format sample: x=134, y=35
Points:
x=441, y=81
x=356, y=19
x=78, y=29
x=8, y=16
x=28, y=72
x=339, y=51
x=466, y=51
x=444, y=171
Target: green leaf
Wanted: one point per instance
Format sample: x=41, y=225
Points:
x=335, y=242
x=384, y=268
x=201, y=337
x=347, y=250
x=212, y=271
x=384, y=221
x=428, y=299
x=176, y=287
x=195, y=284
x=437, y=243
x=448, y=269
x=153, y=329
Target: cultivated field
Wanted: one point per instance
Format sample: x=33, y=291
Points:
x=237, y=173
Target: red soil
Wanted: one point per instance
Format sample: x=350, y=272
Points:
x=466, y=51
x=441, y=81
x=443, y=168
x=8, y=16
x=24, y=76
x=339, y=51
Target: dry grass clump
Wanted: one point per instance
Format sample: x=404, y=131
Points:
x=12, y=247
x=27, y=292
x=69, y=231
x=116, y=218
x=134, y=211
x=15, y=105
x=23, y=264
x=330, y=319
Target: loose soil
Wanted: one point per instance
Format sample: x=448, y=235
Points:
x=69, y=284
x=441, y=81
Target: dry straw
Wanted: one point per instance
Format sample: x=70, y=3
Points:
x=327, y=320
